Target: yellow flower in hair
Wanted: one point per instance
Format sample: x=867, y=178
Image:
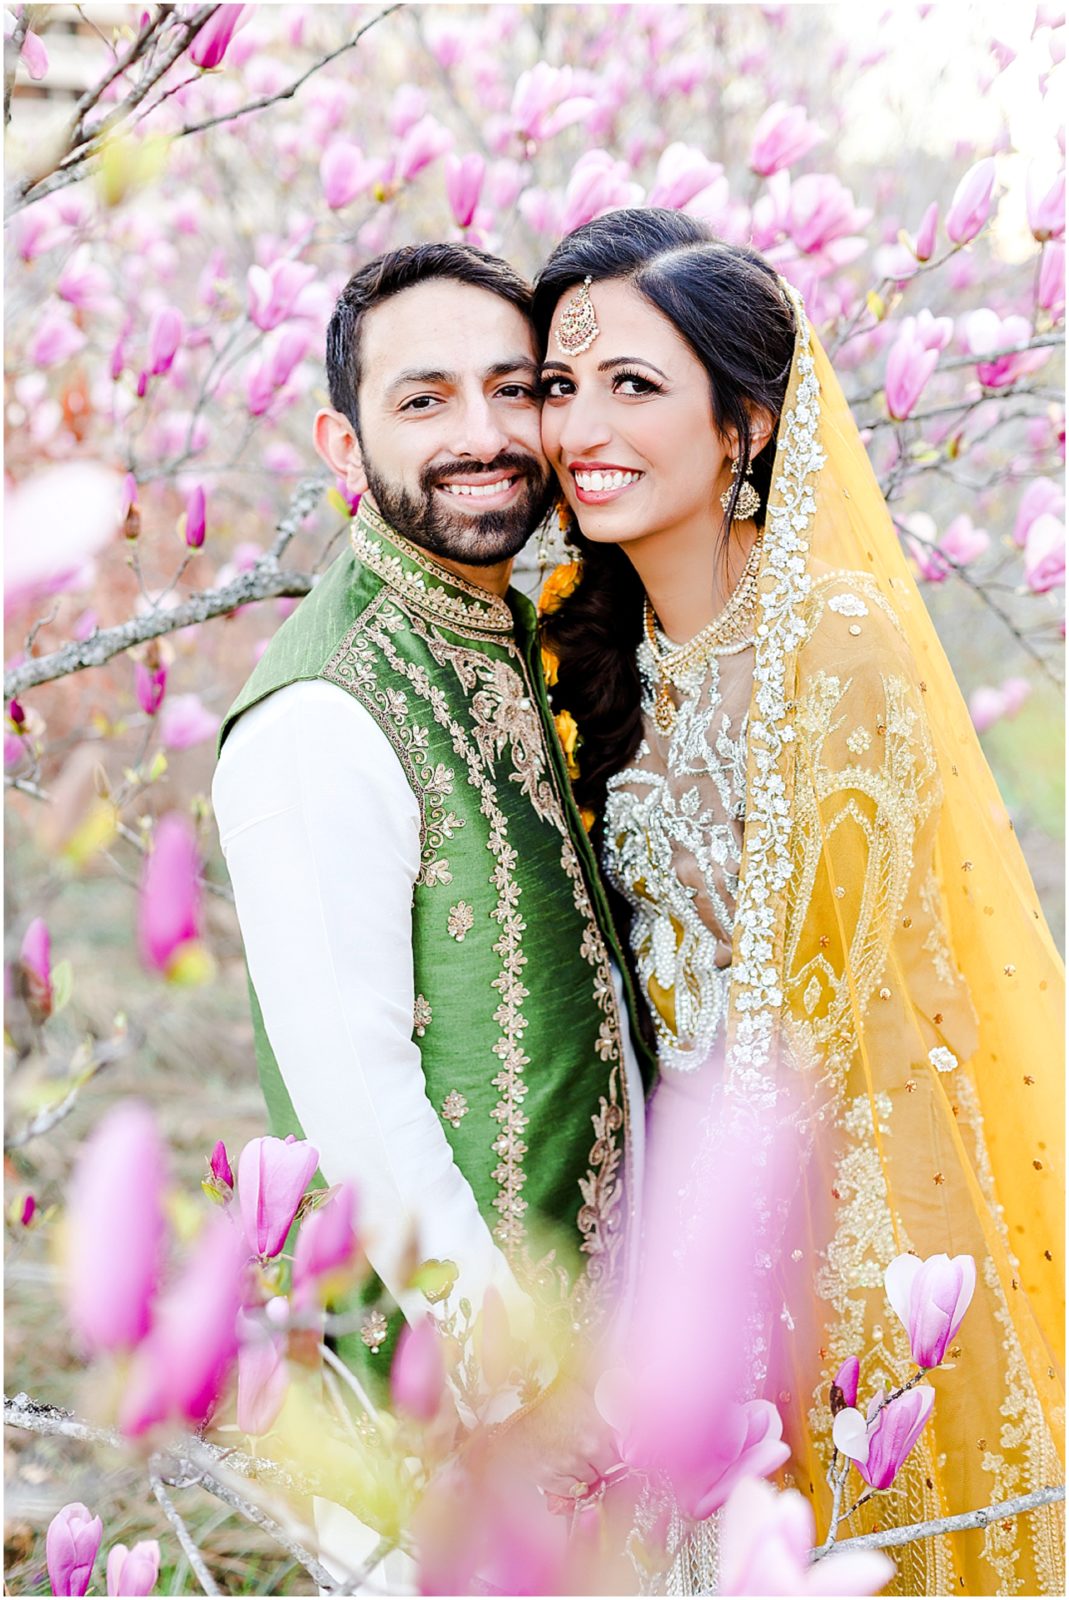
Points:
x=559, y=585
x=568, y=734
x=550, y=664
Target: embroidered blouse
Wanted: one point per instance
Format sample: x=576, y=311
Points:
x=673, y=848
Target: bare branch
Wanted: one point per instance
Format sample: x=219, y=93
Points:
x=185, y=1538
x=288, y=93
x=889, y=1538
x=264, y=581
x=215, y=1485
x=104, y=1056
x=1040, y=341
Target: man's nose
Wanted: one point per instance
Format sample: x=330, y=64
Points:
x=479, y=432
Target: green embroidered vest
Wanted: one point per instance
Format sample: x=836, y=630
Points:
x=515, y=1013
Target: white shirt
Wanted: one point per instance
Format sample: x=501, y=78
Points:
x=321, y=834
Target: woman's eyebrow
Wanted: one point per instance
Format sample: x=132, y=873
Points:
x=630, y=361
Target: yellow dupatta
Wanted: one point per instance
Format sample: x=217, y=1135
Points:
x=889, y=946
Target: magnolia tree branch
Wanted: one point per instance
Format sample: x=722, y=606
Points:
x=104, y=1056
x=12, y=51
x=183, y=1535
x=1040, y=341
x=265, y=581
x=889, y=1538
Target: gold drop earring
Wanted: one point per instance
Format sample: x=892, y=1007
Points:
x=749, y=501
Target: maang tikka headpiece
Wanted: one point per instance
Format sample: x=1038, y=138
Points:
x=578, y=326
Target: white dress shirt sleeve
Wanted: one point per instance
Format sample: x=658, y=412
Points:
x=321, y=834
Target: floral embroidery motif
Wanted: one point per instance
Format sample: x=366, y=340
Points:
x=373, y=1331
x=454, y=1107
x=848, y=605
x=422, y=1015
x=859, y=741
x=460, y=921
x=371, y=538
x=942, y=1060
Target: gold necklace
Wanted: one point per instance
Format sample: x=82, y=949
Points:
x=730, y=632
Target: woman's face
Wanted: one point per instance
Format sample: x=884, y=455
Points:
x=627, y=424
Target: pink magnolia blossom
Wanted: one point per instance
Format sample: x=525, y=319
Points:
x=55, y=339
x=424, y=142
x=219, y=1184
x=345, y=172
x=765, y=1540
x=213, y=40
x=417, y=1377
x=925, y=243
x=930, y=1299
x=463, y=184
x=971, y=205
x=116, y=1231
x=196, y=517
x=988, y=706
x=1050, y=287
x=1045, y=199
x=597, y=184
x=1042, y=495
x=489, y=1535
x=133, y=1572
x=164, y=338
x=180, y=1368
x=33, y=54
x=263, y=1377
x=150, y=684
x=884, y=1439
x=934, y=333
x=986, y=334
x=169, y=900
x=71, y=1546
x=783, y=136
x=408, y=105
x=846, y=1381
x=35, y=959
x=543, y=102
x=78, y=502
x=83, y=284
x=962, y=542
x=327, y=1241
x=186, y=721
x=273, y=1175
x=682, y=172
x=909, y=366
x=274, y=291
x=821, y=212
x=1044, y=554
x=14, y=749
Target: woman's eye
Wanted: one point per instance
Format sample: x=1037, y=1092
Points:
x=557, y=388
x=634, y=383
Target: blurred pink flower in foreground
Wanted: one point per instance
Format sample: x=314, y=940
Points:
x=71, y=1546
x=783, y=136
x=273, y=1175
x=417, y=1376
x=880, y=1443
x=988, y=334
x=78, y=502
x=213, y=40
x=169, y=900
x=35, y=959
x=116, y=1232
x=930, y=1299
x=180, y=1368
x=909, y=366
x=186, y=721
x=327, y=1241
x=971, y=205
x=765, y=1540
x=133, y=1572
x=988, y=706
x=263, y=1376
x=1042, y=495
x=55, y=339
x=492, y=1536
x=463, y=184
x=1044, y=554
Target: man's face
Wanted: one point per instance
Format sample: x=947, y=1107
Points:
x=449, y=421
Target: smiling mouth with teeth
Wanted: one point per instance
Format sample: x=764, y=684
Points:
x=599, y=482
x=480, y=491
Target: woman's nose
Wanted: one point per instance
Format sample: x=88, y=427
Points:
x=584, y=428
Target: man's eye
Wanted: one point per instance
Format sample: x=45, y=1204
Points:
x=557, y=388
x=420, y=402
x=516, y=391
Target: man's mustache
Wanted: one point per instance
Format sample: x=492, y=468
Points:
x=525, y=466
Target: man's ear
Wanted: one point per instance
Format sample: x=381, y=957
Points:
x=336, y=443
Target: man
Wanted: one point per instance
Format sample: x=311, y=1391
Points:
x=435, y=981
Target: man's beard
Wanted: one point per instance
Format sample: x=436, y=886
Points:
x=478, y=539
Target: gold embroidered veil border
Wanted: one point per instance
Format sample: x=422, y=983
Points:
x=890, y=946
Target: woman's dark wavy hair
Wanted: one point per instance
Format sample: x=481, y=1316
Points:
x=727, y=303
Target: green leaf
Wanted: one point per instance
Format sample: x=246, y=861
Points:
x=62, y=985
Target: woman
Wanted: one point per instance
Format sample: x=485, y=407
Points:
x=826, y=897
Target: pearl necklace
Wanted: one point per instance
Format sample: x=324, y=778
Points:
x=729, y=633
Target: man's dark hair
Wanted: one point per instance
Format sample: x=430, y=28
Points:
x=387, y=275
